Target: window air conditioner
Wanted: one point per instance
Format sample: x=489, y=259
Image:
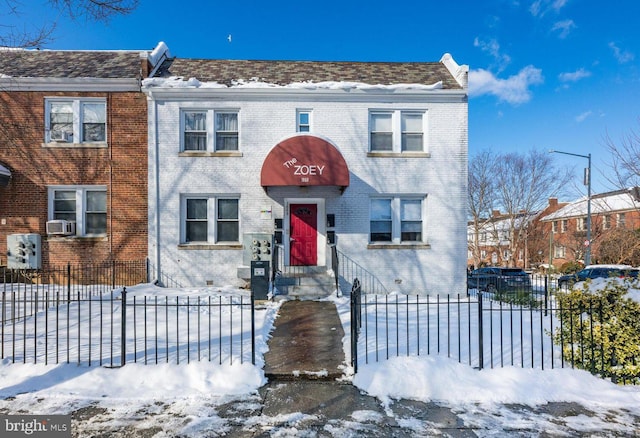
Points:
x=61, y=136
x=61, y=228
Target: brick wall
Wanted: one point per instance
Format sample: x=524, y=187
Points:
x=441, y=177
x=122, y=168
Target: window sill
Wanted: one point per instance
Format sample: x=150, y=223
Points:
x=210, y=154
x=398, y=246
x=77, y=238
x=399, y=154
x=61, y=144
x=209, y=246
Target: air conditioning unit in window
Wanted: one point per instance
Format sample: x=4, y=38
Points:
x=60, y=227
x=61, y=136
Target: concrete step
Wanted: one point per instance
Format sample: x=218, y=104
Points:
x=308, y=286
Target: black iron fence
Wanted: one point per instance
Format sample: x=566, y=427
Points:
x=84, y=314
x=26, y=292
x=116, y=328
x=487, y=333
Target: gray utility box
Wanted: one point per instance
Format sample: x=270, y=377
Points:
x=24, y=251
x=260, y=279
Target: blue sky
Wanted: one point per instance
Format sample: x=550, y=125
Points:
x=544, y=74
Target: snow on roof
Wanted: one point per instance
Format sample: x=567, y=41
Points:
x=620, y=200
x=179, y=82
x=307, y=74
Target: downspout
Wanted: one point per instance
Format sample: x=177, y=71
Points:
x=157, y=177
x=110, y=190
x=153, y=116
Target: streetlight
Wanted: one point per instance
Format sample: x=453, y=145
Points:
x=587, y=182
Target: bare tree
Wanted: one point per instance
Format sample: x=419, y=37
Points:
x=482, y=198
x=625, y=159
x=15, y=36
x=519, y=185
x=620, y=246
x=525, y=182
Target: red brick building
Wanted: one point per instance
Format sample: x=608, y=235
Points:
x=615, y=216
x=520, y=240
x=73, y=153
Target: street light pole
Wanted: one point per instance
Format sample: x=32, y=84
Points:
x=587, y=182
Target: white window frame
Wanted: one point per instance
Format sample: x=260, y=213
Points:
x=212, y=218
x=300, y=126
x=81, y=206
x=564, y=225
x=211, y=114
x=581, y=224
x=621, y=220
x=559, y=252
x=554, y=226
x=397, y=146
x=76, y=137
x=396, y=219
x=606, y=222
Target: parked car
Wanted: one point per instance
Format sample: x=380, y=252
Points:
x=497, y=279
x=598, y=271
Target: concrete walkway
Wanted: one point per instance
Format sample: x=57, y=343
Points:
x=304, y=366
x=306, y=342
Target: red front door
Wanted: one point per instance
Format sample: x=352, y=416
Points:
x=303, y=235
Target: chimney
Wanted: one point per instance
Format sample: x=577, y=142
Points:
x=553, y=202
x=495, y=213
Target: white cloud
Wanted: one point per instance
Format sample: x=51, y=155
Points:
x=514, y=90
x=582, y=117
x=622, y=56
x=541, y=7
x=574, y=76
x=492, y=47
x=563, y=27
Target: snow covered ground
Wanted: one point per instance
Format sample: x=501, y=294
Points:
x=185, y=399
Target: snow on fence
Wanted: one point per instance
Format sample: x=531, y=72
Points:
x=44, y=325
x=483, y=333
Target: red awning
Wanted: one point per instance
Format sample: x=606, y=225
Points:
x=304, y=160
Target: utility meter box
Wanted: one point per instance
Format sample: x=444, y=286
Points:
x=24, y=251
x=260, y=279
x=257, y=247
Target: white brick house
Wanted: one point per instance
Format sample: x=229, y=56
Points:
x=374, y=154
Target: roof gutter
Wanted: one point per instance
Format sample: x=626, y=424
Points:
x=70, y=84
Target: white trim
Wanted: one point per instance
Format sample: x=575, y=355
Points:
x=70, y=84
x=78, y=122
x=238, y=94
x=81, y=207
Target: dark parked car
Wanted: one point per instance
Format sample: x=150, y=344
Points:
x=496, y=279
x=598, y=271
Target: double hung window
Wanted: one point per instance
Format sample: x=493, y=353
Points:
x=303, y=121
x=76, y=120
x=397, y=131
x=210, y=131
x=396, y=219
x=84, y=205
x=210, y=219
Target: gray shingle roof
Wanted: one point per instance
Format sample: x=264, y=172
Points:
x=288, y=72
x=70, y=64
